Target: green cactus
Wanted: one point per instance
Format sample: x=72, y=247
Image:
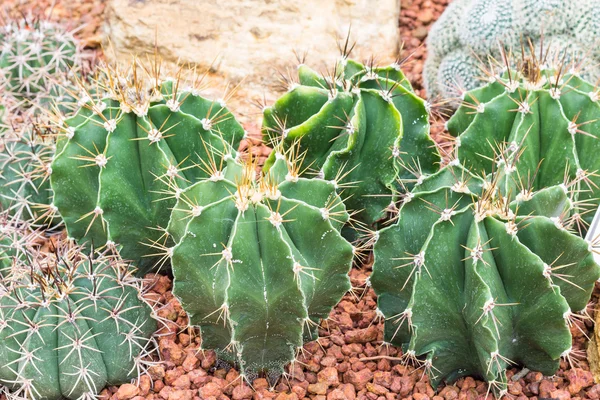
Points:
x=541, y=126
x=25, y=158
x=471, y=281
x=471, y=30
x=71, y=322
x=124, y=158
x=258, y=263
x=356, y=127
x=35, y=56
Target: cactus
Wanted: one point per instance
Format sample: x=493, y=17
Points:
x=71, y=321
x=258, y=263
x=25, y=157
x=466, y=277
x=541, y=126
x=471, y=30
x=35, y=57
x=357, y=127
x=124, y=158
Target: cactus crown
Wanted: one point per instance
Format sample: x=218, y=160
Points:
x=537, y=124
x=124, y=158
x=71, y=321
x=467, y=275
x=259, y=262
x=357, y=125
x=470, y=30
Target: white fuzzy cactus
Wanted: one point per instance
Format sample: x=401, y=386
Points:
x=471, y=30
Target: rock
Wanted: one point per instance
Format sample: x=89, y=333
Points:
x=127, y=391
x=560, y=395
x=362, y=335
x=180, y=394
x=579, y=379
x=211, y=389
x=239, y=39
x=242, y=392
x=377, y=389
x=329, y=376
x=170, y=351
x=318, y=388
x=358, y=379
x=183, y=382
x=156, y=372
x=425, y=16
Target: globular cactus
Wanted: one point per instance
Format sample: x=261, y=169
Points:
x=540, y=126
x=25, y=156
x=258, y=263
x=469, y=31
x=471, y=282
x=35, y=57
x=71, y=321
x=124, y=158
x=359, y=126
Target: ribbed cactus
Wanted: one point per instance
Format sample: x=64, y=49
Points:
x=258, y=263
x=35, y=57
x=540, y=126
x=25, y=158
x=124, y=158
x=468, y=31
x=71, y=321
x=357, y=127
x=471, y=281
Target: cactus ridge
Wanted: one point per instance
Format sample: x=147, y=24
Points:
x=467, y=275
x=71, y=321
x=539, y=125
x=259, y=262
x=124, y=158
x=469, y=31
x=358, y=125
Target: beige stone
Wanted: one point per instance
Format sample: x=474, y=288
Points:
x=250, y=39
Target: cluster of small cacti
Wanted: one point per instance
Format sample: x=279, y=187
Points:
x=539, y=127
x=259, y=262
x=473, y=282
x=469, y=31
x=71, y=320
x=125, y=156
x=362, y=126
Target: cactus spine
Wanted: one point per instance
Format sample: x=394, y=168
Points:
x=471, y=281
x=124, y=158
x=258, y=263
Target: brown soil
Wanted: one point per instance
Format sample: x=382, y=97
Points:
x=348, y=361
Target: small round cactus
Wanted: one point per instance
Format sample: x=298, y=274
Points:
x=259, y=262
x=540, y=126
x=358, y=126
x=123, y=159
x=71, y=321
x=35, y=56
x=469, y=31
x=471, y=281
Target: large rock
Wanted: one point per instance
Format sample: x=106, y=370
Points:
x=251, y=39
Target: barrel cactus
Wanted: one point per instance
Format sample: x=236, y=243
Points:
x=34, y=57
x=361, y=126
x=541, y=126
x=71, y=321
x=25, y=157
x=124, y=158
x=466, y=277
x=258, y=263
x=471, y=30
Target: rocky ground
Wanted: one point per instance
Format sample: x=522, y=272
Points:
x=349, y=360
